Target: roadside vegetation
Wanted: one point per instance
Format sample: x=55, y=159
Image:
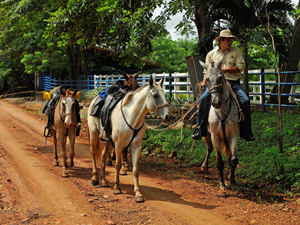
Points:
x=259, y=161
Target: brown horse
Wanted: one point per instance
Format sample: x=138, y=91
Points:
x=64, y=126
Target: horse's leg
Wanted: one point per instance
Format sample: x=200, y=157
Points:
x=136, y=151
x=110, y=158
x=124, y=161
x=221, y=192
x=209, y=148
x=54, y=141
x=117, y=188
x=105, y=152
x=233, y=160
x=72, y=145
x=94, y=148
x=62, y=140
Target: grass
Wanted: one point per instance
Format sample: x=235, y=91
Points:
x=259, y=161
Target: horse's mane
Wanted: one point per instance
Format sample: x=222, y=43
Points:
x=130, y=95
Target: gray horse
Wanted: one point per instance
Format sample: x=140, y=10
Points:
x=223, y=123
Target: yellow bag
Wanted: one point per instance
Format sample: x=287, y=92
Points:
x=48, y=95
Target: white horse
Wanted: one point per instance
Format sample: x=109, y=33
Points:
x=128, y=129
x=223, y=122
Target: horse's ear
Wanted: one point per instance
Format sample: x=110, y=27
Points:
x=74, y=92
x=151, y=81
x=62, y=91
x=136, y=75
x=161, y=81
x=219, y=63
x=125, y=76
x=204, y=65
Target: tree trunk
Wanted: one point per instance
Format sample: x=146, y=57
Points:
x=77, y=61
x=292, y=64
x=204, y=28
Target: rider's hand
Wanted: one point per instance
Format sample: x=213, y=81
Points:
x=200, y=85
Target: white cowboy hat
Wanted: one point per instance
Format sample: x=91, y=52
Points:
x=225, y=34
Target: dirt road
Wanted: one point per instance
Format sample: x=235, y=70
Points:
x=32, y=191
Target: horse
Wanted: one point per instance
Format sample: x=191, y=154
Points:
x=127, y=131
x=223, y=122
x=130, y=81
x=64, y=126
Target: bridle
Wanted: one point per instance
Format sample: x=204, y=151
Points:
x=135, y=131
x=219, y=86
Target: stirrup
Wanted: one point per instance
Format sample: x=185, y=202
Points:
x=47, y=132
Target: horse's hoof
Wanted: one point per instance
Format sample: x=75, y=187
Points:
x=117, y=191
x=123, y=172
x=94, y=182
x=126, y=168
x=71, y=164
x=204, y=169
x=109, y=163
x=104, y=184
x=222, y=193
x=56, y=164
x=139, y=199
x=65, y=174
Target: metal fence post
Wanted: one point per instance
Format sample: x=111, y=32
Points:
x=263, y=96
x=170, y=85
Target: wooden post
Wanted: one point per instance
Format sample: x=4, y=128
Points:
x=36, y=80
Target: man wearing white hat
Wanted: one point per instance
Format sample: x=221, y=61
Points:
x=233, y=64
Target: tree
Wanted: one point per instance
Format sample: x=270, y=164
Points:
x=170, y=55
x=292, y=62
x=242, y=17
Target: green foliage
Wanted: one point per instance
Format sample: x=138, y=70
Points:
x=169, y=54
x=260, y=161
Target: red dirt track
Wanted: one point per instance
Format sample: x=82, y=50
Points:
x=32, y=190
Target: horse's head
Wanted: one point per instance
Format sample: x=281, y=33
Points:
x=157, y=100
x=131, y=81
x=215, y=81
x=68, y=106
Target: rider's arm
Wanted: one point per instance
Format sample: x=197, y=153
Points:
x=234, y=69
x=204, y=80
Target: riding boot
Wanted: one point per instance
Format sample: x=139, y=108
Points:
x=202, y=117
x=245, y=126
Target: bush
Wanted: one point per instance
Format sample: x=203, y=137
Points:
x=260, y=161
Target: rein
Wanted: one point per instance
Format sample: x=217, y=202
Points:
x=135, y=131
x=215, y=87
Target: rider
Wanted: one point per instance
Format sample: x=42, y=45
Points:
x=232, y=65
x=49, y=109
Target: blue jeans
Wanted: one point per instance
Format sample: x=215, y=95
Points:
x=204, y=106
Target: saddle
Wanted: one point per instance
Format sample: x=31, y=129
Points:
x=104, y=106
